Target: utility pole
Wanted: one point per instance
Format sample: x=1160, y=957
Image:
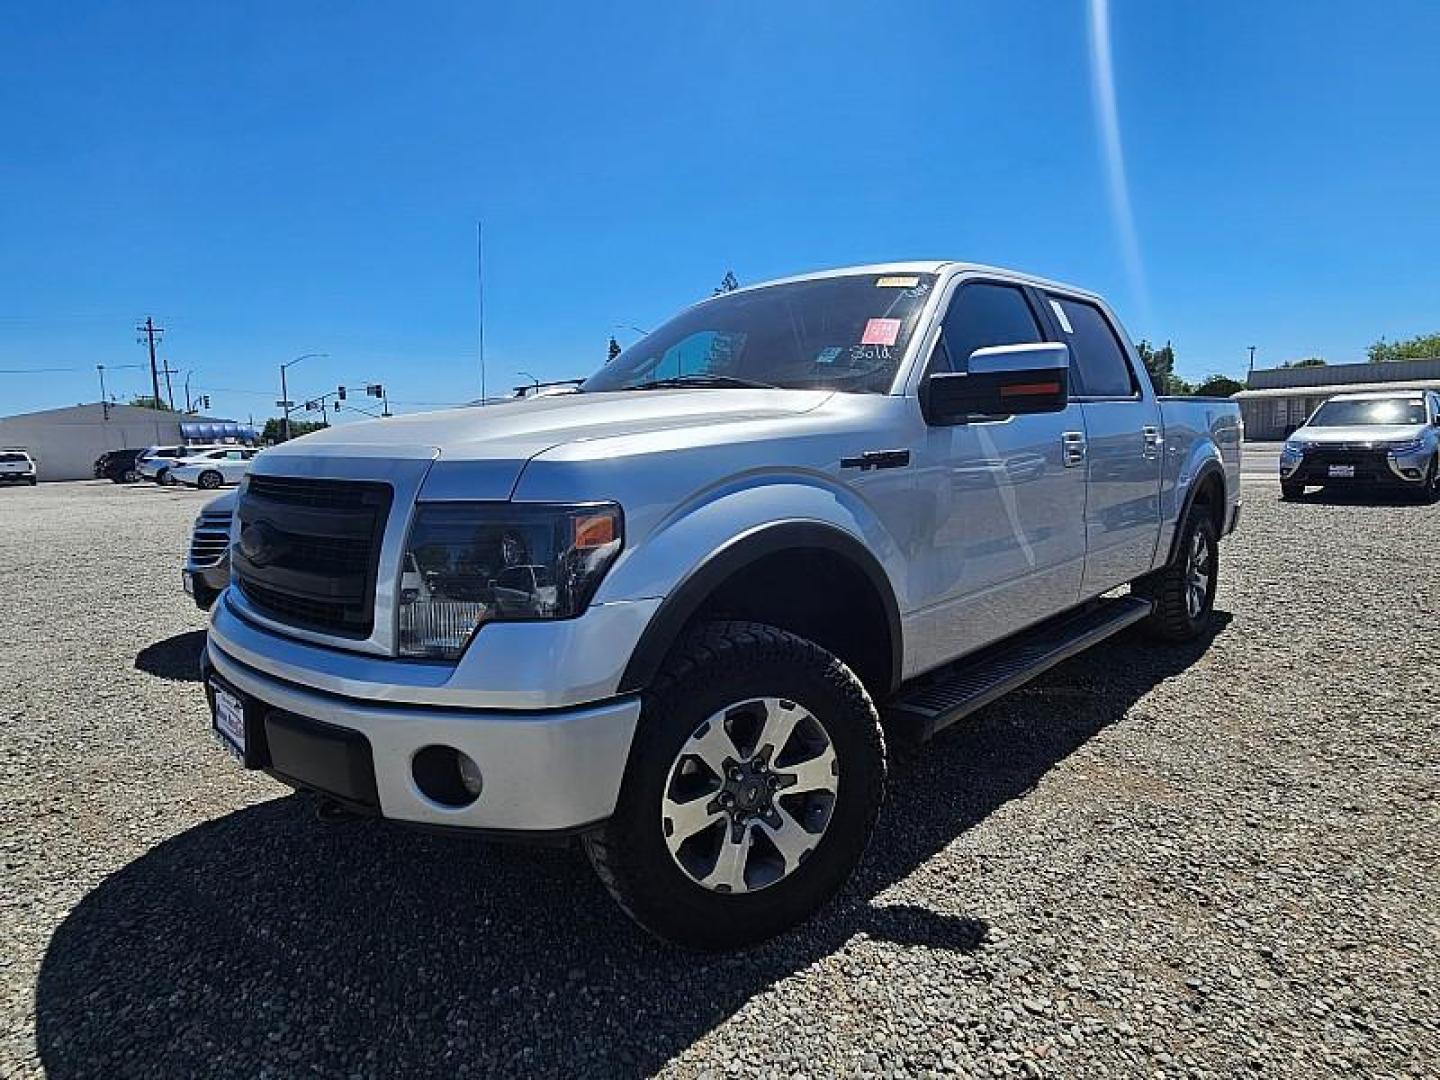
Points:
x=480, y=301
x=170, y=390
x=149, y=329
x=1252, y=363
x=104, y=401
x=187, y=387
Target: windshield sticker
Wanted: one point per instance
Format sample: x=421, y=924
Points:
x=880, y=332
x=897, y=282
x=829, y=356
x=1060, y=314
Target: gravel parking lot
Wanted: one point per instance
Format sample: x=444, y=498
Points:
x=1217, y=860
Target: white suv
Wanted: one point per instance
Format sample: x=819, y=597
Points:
x=17, y=467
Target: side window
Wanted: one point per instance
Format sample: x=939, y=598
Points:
x=1100, y=368
x=983, y=314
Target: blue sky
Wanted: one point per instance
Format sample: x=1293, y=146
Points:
x=270, y=180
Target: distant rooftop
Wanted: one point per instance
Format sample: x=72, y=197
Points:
x=1345, y=374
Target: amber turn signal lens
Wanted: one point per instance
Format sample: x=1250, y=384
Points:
x=594, y=531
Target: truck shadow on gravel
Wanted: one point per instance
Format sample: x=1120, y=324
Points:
x=176, y=658
x=264, y=942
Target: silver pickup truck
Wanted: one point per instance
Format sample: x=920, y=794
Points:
x=678, y=612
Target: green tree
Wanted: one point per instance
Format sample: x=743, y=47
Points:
x=145, y=401
x=1160, y=363
x=1420, y=347
x=274, y=429
x=1218, y=386
x=1309, y=361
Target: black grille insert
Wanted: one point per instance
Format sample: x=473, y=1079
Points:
x=309, y=550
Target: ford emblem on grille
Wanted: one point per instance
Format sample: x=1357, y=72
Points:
x=261, y=543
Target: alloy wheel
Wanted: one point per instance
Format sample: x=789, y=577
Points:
x=1199, y=570
x=750, y=795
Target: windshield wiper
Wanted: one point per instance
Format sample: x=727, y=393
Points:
x=703, y=379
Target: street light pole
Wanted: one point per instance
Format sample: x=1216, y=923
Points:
x=104, y=401
x=1252, y=363
x=285, y=402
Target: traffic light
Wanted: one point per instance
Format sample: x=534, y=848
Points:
x=309, y=406
x=375, y=390
x=205, y=401
x=340, y=392
x=614, y=349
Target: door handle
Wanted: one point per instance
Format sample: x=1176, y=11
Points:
x=1072, y=448
x=1153, y=441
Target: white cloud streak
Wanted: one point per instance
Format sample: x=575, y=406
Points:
x=1107, y=117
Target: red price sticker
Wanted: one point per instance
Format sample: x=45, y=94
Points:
x=881, y=332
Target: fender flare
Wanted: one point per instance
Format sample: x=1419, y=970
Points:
x=681, y=604
x=1210, y=468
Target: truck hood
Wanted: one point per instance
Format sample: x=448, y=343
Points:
x=507, y=435
x=1359, y=433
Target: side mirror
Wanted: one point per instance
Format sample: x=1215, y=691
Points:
x=1003, y=380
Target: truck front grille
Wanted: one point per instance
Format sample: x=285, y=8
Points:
x=313, y=550
x=210, y=541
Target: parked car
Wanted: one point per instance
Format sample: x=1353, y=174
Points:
x=213, y=468
x=155, y=461
x=119, y=466
x=794, y=512
x=207, y=565
x=17, y=467
x=1386, y=439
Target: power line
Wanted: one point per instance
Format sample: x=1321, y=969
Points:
x=52, y=370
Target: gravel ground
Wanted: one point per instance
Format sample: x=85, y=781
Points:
x=1219, y=860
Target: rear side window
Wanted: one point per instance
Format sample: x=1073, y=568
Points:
x=1099, y=367
x=981, y=315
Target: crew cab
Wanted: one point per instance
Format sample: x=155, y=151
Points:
x=678, y=612
x=1386, y=439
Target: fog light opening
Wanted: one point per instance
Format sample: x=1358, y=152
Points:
x=446, y=776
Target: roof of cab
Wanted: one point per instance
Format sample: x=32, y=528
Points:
x=921, y=266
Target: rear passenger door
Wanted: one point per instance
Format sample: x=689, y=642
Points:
x=1125, y=444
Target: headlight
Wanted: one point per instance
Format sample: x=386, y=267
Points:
x=1295, y=449
x=1409, y=446
x=467, y=564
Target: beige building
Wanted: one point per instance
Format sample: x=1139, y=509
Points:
x=1278, y=400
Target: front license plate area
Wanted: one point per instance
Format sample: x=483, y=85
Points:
x=1342, y=471
x=229, y=720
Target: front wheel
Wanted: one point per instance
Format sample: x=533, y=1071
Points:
x=1183, y=593
x=751, y=790
x=1291, y=491
x=210, y=480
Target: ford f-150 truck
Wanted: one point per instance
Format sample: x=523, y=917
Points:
x=678, y=612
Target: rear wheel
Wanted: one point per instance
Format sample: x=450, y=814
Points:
x=751, y=790
x=209, y=480
x=1183, y=593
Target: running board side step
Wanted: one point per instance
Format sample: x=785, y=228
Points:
x=957, y=691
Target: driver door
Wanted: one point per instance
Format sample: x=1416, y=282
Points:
x=1003, y=543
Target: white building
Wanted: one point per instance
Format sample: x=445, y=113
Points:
x=66, y=442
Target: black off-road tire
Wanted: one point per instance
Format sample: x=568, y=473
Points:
x=1172, y=618
x=1430, y=487
x=1290, y=492
x=714, y=666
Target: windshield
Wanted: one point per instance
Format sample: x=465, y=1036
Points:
x=1373, y=411
x=840, y=333
x=11, y=458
